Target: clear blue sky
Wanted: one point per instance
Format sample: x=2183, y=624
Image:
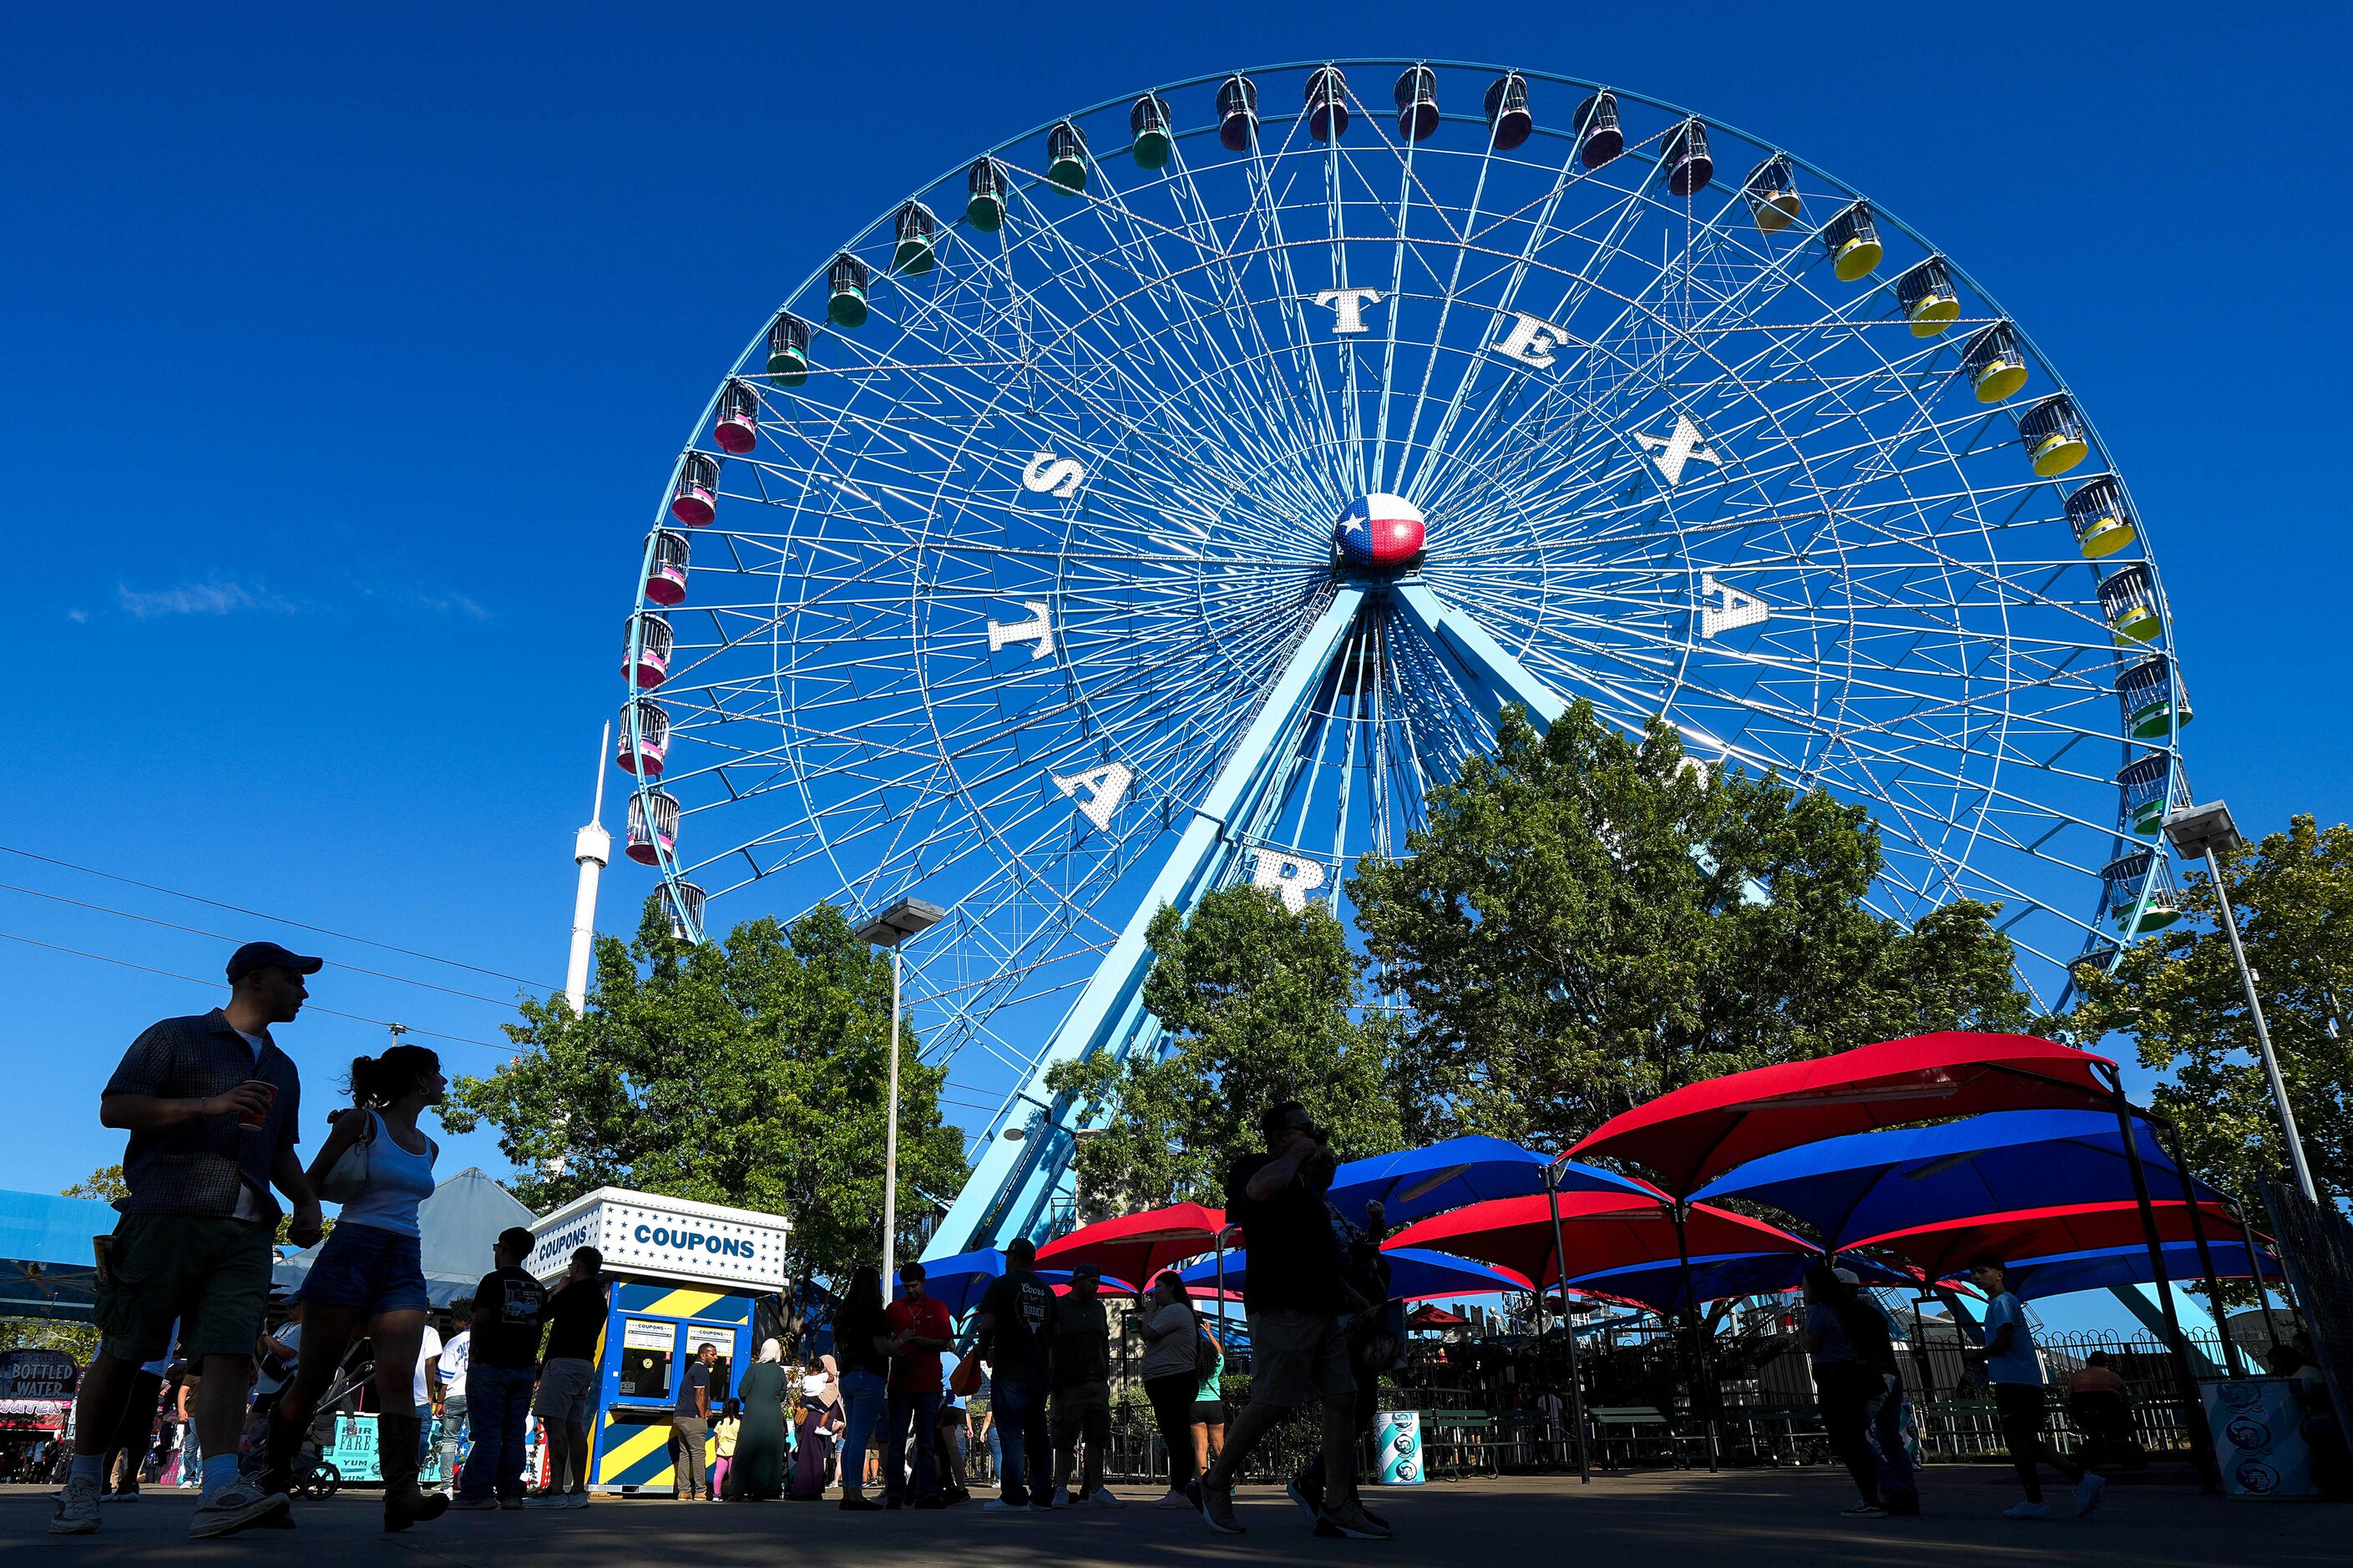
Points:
x=343, y=352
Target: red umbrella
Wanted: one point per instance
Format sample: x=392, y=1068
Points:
x=1702, y=1129
x=1945, y=1248
x=1138, y=1246
x=1433, y=1317
x=1598, y=1230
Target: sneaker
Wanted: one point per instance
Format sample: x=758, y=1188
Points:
x=1101, y=1498
x=511, y=1504
x=2089, y=1492
x=576, y=1500
x=999, y=1505
x=237, y=1506
x=77, y=1509
x=555, y=1500
x=1351, y=1520
x=474, y=1505
x=129, y=1494
x=1217, y=1509
x=1063, y=1499
x=1311, y=1503
x=934, y=1500
x=1039, y=1505
x=1175, y=1500
x=2028, y=1510
x=861, y=1504
x=1863, y=1510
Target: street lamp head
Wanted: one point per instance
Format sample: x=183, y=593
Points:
x=2196, y=829
x=908, y=917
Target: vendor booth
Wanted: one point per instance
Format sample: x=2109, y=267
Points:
x=684, y=1275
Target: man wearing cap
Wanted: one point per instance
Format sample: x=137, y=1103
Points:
x=212, y=1106
x=1078, y=1335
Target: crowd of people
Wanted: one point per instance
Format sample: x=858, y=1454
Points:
x=213, y=1111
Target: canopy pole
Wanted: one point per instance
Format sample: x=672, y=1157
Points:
x=2255, y=1268
x=2193, y=1412
x=1698, y=1364
x=1567, y=1330
x=1926, y=1366
x=2170, y=1140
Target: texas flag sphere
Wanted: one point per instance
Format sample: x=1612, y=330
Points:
x=1380, y=529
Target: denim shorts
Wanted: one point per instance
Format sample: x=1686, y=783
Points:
x=366, y=1266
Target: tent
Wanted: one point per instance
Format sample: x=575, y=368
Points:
x=1702, y=1129
x=1598, y=1230
x=2115, y=1267
x=456, y=1228
x=47, y=1268
x=1415, y=1184
x=1414, y=1273
x=1138, y=1246
x=1871, y=1182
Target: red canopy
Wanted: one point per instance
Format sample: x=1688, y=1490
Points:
x=1702, y=1129
x=1431, y=1316
x=1138, y=1246
x=1600, y=1230
x=1945, y=1250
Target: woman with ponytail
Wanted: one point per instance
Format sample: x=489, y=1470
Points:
x=368, y=1275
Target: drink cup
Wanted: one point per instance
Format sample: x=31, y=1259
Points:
x=260, y=1118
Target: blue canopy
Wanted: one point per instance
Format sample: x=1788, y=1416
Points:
x=959, y=1281
x=47, y=1266
x=1869, y=1184
x=2110, y=1267
x=456, y=1228
x=1415, y=1184
x=1660, y=1284
x=1414, y=1272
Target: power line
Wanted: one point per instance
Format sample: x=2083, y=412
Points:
x=175, y=974
x=280, y=920
x=218, y=936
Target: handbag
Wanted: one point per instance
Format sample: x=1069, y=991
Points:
x=965, y=1381
x=350, y=1176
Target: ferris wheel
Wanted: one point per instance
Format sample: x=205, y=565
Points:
x=1171, y=496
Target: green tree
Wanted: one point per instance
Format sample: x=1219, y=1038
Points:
x=2177, y=997
x=1580, y=928
x=1261, y=1005
x=751, y=1071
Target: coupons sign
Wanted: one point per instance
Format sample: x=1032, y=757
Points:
x=1400, y=1445
x=37, y=1374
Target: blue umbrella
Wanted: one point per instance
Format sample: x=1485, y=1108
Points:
x=959, y=1282
x=1660, y=1284
x=1869, y=1184
x=1415, y=1184
x=1414, y=1272
x=2110, y=1267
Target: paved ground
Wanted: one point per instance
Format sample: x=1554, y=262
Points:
x=1740, y=1518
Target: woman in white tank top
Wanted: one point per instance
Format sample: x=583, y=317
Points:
x=368, y=1275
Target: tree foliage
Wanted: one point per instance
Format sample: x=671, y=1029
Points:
x=2177, y=997
x=1261, y=1006
x=1579, y=930
x=751, y=1071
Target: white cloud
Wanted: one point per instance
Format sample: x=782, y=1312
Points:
x=213, y=596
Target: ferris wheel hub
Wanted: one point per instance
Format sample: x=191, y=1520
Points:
x=1380, y=530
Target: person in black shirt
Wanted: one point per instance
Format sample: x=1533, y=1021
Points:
x=1012, y=1326
x=509, y=1308
x=860, y=1339
x=1298, y=1309
x=690, y=1425
x=567, y=1377
x=1080, y=1336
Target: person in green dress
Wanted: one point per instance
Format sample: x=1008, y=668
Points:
x=758, y=1472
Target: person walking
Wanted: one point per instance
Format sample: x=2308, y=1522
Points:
x=191, y=1447
x=2015, y=1370
x=134, y=1434
x=1011, y=1329
x=758, y=1472
x=1843, y=1386
x=567, y=1402
x=689, y=1427
x=920, y=1330
x=1079, y=1336
x=456, y=1351
x=212, y=1109
x=510, y=1309
x=860, y=1340
x=1171, y=1375
x=1376, y=1344
x=1871, y=1334
x=369, y=1277
x=1297, y=1306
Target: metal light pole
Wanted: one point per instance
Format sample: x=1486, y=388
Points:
x=2207, y=830
x=890, y=928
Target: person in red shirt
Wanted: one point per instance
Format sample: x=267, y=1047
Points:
x=920, y=1330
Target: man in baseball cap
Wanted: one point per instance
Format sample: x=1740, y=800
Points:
x=212, y=1106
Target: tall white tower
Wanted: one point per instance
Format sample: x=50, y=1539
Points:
x=592, y=851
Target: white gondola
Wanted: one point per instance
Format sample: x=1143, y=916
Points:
x=645, y=649
x=641, y=752
x=684, y=901
x=654, y=834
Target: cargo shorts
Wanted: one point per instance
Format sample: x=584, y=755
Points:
x=211, y=1274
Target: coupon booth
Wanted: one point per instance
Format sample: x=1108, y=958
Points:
x=684, y=1275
